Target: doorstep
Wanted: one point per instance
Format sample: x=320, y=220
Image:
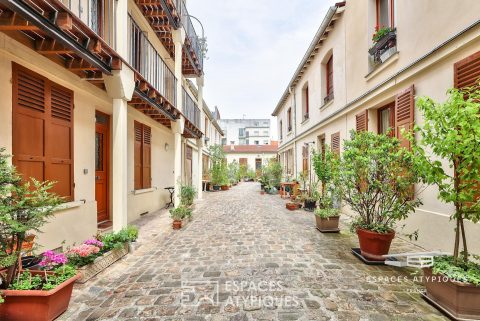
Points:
x=104, y=227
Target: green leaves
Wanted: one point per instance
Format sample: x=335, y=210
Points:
x=376, y=178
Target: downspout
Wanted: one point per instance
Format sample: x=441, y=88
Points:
x=291, y=90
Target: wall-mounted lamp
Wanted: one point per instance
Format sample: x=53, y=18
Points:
x=167, y=147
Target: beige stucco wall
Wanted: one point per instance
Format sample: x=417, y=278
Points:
x=431, y=77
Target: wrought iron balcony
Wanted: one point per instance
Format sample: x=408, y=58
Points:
x=383, y=49
x=145, y=59
x=190, y=109
x=192, y=47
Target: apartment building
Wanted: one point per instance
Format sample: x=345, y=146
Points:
x=252, y=156
x=346, y=81
x=95, y=98
x=246, y=131
x=212, y=133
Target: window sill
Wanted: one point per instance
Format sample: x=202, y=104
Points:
x=144, y=191
x=69, y=205
x=324, y=106
x=305, y=120
x=377, y=69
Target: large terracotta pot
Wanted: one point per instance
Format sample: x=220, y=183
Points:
x=224, y=187
x=327, y=224
x=292, y=206
x=461, y=300
x=373, y=245
x=177, y=224
x=36, y=305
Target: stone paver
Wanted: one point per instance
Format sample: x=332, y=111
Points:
x=245, y=257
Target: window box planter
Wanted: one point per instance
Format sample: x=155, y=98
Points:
x=326, y=225
x=384, y=47
x=460, y=300
x=36, y=305
x=101, y=263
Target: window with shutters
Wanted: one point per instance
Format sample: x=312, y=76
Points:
x=142, y=156
x=385, y=12
x=328, y=80
x=42, y=130
x=386, y=119
x=361, y=121
x=404, y=114
x=335, y=143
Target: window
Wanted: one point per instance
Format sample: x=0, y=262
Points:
x=305, y=102
x=241, y=132
x=258, y=164
x=385, y=10
x=224, y=141
x=206, y=127
x=257, y=142
x=42, y=130
x=248, y=142
x=386, y=119
x=289, y=119
x=305, y=159
x=281, y=130
x=142, y=156
x=329, y=79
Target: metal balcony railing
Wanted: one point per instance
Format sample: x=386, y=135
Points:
x=190, y=32
x=97, y=14
x=145, y=59
x=190, y=109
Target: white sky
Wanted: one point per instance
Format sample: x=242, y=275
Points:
x=254, y=47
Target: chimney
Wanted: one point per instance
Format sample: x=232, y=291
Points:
x=232, y=147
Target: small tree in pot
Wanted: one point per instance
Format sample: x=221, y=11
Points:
x=452, y=132
x=326, y=164
x=376, y=180
x=218, y=172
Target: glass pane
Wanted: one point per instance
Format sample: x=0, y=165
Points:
x=98, y=151
x=384, y=14
x=385, y=121
x=101, y=118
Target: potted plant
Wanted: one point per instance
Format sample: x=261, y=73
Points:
x=187, y=195
x=218, y=171
x=451, y=131
x=376, y=180
x=178, y=214
x=25, y=207
x=327, y=215
x=275, y=172
x=310, y=194
x=132, y=232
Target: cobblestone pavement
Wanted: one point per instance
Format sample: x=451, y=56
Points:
x=245, y=257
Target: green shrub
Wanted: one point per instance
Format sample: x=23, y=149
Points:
x=187, y=194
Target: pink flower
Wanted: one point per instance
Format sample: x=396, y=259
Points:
x=95, y=242
x=83, y=250
x=51, y=259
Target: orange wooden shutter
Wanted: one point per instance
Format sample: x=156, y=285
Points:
x=29, y=123
x=137, y=152
x=467, y=71
x=60, y=144
x=404, y=114
x=147, y=157
x=335, y=142
x=361, y=121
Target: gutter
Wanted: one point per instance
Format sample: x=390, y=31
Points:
x=395, y=75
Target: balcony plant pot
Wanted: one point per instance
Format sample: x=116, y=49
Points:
x=216, y=187
x=177, y=224
x=374, y=245
x=292, y=206
x=36, y=305
x=460, y=300
x=309, y=205
x=101, y=263
x=327, y=224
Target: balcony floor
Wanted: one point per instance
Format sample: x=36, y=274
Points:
x=241, y=236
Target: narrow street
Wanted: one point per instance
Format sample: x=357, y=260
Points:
x=246, y=258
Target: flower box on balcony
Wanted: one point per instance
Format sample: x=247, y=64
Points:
x=101, y=263
x=384, y=47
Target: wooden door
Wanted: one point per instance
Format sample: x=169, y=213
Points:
x=102, y=152
x=188, y=165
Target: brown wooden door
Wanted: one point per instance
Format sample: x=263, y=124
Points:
x=101, y=166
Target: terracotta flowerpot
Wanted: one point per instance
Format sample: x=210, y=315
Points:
x=327, y=224
x=177, y=224
x=461, y=300
x=292, y=206
x=36, y=305
x=224, y=187
x=373, y=245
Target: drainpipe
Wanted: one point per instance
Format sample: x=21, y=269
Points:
x=291, y=90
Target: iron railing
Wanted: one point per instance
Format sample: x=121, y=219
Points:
x=146, y=60
x=190, y=109
x=97, y=14
x=190, y=32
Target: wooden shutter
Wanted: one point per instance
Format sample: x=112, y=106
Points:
x=29, y=123
x=43, y=130
x=467, y=71
x=361, y=121
x=60, y=145
x=404, y=114
x=137, y=152
x=335, y=143
x=147, y=157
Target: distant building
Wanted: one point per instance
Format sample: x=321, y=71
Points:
x=245, y=131
x=254, y=156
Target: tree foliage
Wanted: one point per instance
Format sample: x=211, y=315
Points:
x=451, y=132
